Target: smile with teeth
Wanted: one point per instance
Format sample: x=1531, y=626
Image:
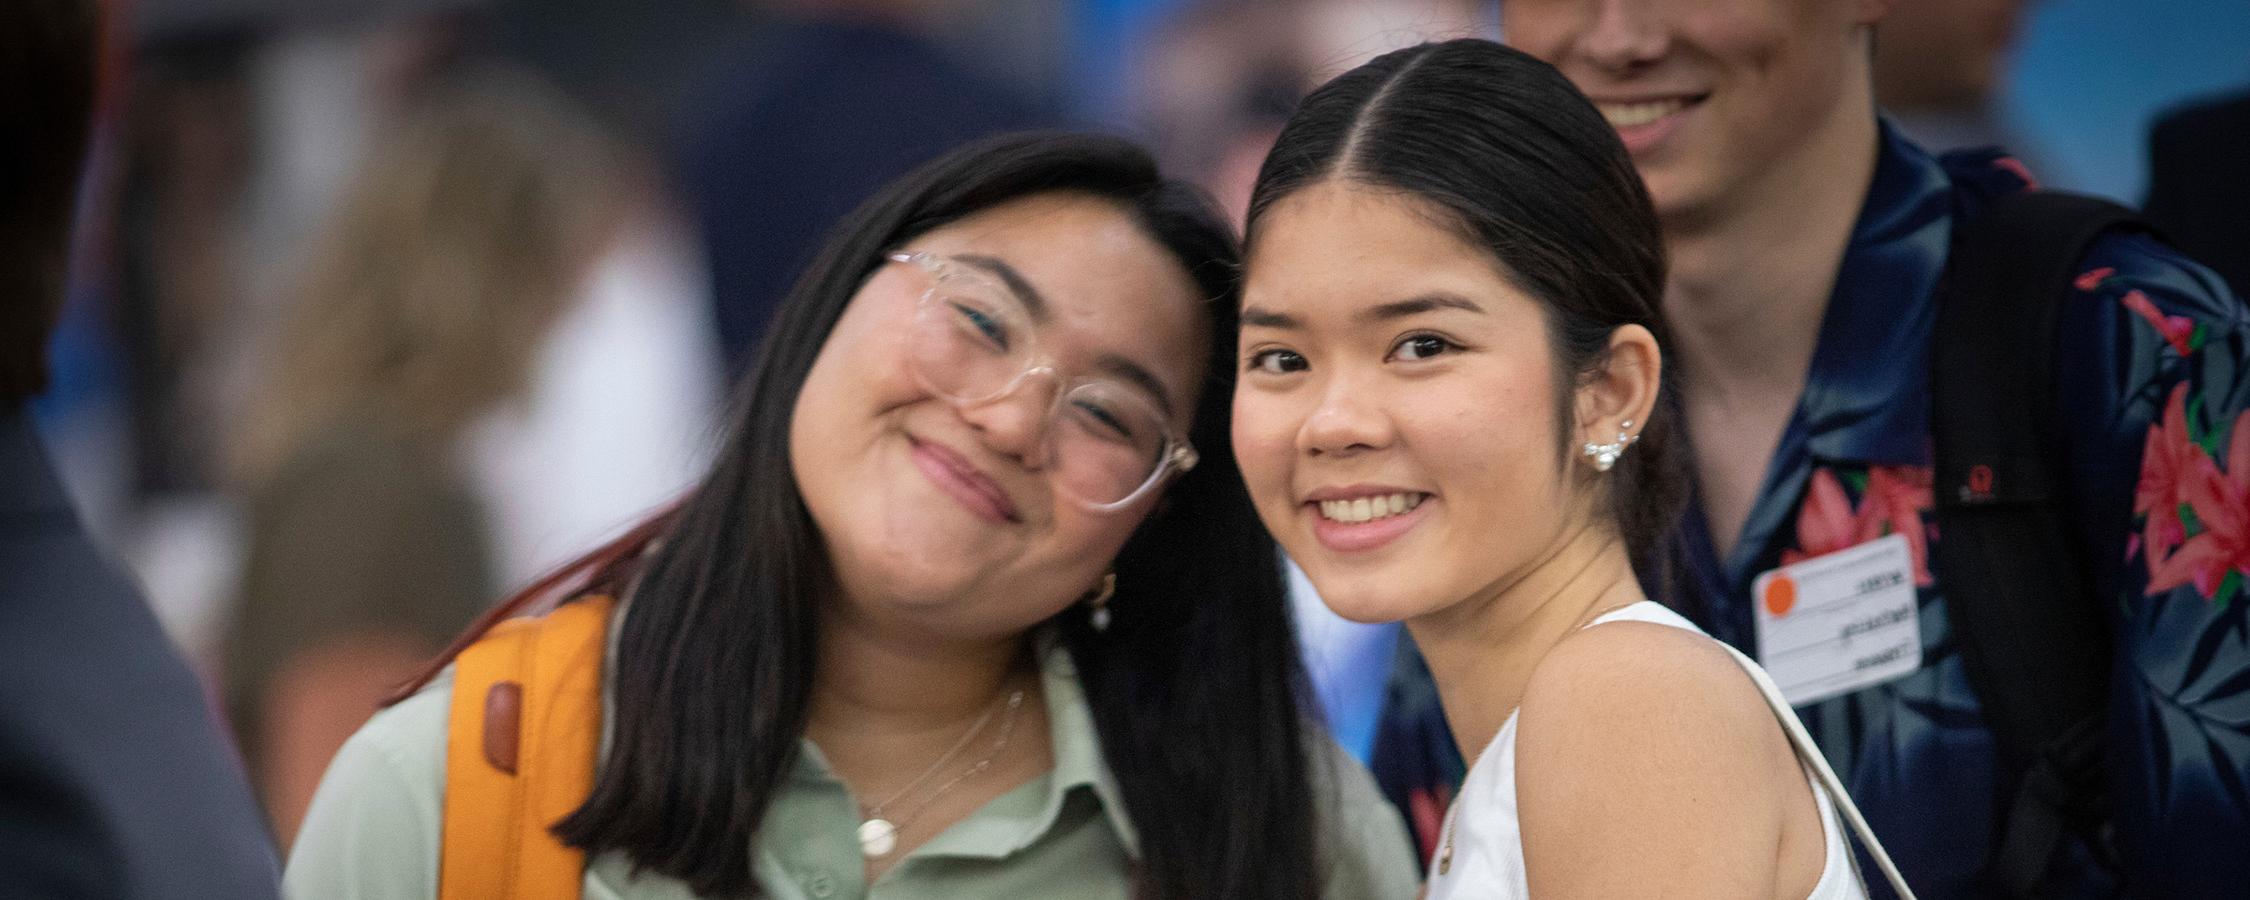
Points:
x=1627, y=115
x=1368, y=509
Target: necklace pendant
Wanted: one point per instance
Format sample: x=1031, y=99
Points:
x=877, y=838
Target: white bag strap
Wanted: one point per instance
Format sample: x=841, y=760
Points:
x=1810, y=754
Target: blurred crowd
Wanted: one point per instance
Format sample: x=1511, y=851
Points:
x=380, y=309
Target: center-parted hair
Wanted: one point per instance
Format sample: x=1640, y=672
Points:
x=1526, y=168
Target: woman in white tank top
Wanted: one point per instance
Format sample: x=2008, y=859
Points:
x=1451, y=410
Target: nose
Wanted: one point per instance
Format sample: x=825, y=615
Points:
x=1014, y=424
x=1348, y=421
x=1625, y=36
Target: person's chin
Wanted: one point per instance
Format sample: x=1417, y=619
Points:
x=1369, y=598
x=926, y=546
x=1679, y=189
x=905, y=585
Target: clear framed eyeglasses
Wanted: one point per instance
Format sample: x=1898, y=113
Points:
x=974, y=342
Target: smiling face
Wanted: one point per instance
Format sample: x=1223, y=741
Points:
x=947, y=516
x=1396, y=413
x=1708, y=95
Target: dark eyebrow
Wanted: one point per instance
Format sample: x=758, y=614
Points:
x=1140, y=377
x=1037, y=306
x=1399, y=309
x=1417, y=305
x=1032, y=302
x=1266, y=318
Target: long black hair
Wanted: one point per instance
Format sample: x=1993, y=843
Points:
x=1527, y=169
x=1195, y=688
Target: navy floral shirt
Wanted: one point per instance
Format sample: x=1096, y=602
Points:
x=2154, y=391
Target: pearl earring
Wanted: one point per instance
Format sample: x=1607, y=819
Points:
x=1097, y=613
x=1605, y=455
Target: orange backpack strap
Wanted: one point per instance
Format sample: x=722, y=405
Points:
x=519, y=754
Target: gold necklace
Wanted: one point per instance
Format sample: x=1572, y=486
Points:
x=878, y=836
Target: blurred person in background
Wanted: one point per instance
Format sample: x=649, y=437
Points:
x=1941, y=67
x=114, y=779
x=957, y=612
x=1212, y=88
x=1218, y=78
x=244, y=121
x=420, y=309
x=2199, y=184
x=1809, y=243
x=187, y=152
x=239, y=121
x=823, y=103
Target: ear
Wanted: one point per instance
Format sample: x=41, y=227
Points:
x=1623, y=389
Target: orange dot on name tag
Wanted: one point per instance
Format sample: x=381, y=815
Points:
x=1781, y=595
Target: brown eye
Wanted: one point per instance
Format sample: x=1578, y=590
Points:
x=1277, y=362
x=1421, y=346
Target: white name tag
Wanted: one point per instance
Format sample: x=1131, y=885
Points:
x=1834, y=624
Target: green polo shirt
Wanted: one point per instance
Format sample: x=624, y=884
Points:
x=372, y=832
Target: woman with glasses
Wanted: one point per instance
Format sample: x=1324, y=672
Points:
x=1455, y=411
x=972, y=604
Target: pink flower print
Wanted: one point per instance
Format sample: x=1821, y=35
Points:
x=2221, y=501
x=1827, y=523
x=2177, y=330
x=1895, y=499
x=1894, y=502
x=2093, y=278
x=1426, y=806
x=2166, y=456
x=2014, y=166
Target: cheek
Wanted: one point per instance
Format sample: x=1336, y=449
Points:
x=843, y=411
x=1264, y=435
x=1546, y=29
x=862, y=366
x=1792, y=61
x=1082, y=545
x=1084, y=534
x=1490, y=448
x=1494, y=437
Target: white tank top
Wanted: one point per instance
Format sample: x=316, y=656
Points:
x=1480, y=853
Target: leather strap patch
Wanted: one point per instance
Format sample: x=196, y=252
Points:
x=503, y=725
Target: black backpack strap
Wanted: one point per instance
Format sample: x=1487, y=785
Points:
x=2033, y=638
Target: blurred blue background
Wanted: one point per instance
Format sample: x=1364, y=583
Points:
x=2092, y=75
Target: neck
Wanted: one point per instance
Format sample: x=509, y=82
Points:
x=899, y=682
x=1751, y=272
x=1482, y=651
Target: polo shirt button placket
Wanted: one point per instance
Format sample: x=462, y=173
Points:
x=820, y=885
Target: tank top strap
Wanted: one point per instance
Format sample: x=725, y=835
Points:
x=1807, y=752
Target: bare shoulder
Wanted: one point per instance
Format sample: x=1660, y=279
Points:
x=1644, y=756
x=1616, y=674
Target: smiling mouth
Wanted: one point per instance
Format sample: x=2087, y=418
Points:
x=1629, y=115
x=1369, y=509
x=961, y=479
